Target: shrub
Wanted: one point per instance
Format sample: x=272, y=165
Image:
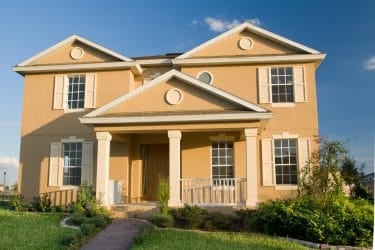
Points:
x=41, y=204
x=18, y=204
x=190, y=217
x=163, y=191
x=161, y=220
x=337, y=221
x=217, y=221
x=88, y=228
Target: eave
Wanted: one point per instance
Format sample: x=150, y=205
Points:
x=132, y=65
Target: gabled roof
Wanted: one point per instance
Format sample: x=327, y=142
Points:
x=218, y=93
x=71, y=39
x=257, y=30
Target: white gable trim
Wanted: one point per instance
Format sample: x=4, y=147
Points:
x=176, y=118
x=69, y=40
x=255, y=29
x=134, y=66
x=248, y=59
x=189, y=80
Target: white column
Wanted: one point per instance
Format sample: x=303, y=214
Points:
x=102, y=166
x=174, y=168
x=251, y=167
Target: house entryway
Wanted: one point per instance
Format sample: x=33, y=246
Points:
x=155, y=165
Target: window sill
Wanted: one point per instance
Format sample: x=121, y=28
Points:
x=286, y=187
x=283, y=105
x=73, y=110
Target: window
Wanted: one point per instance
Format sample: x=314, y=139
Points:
x=286, y=161
x=72, y=153
x=282, y=84
x=76, y=92
x=70, y=162
x=222, y=161
x=205, y=77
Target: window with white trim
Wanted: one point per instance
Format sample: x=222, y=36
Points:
x=282, y=85
x=285, y=153
x=205, y=77
x=74, y=92
x=72, y=153
x=222, y=160
x=71, y=162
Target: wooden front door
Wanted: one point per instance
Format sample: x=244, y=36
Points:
x=155, y=158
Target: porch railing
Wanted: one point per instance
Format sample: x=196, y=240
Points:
x=229, y=191
x=62, y=197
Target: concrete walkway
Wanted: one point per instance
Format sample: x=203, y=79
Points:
x=118, y=235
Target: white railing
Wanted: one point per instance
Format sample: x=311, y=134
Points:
x=229, y=191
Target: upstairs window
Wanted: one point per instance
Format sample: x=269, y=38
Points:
x=74, y=92
x=282, y=84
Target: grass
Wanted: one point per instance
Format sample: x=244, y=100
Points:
x=153, y=238
x=24, y=230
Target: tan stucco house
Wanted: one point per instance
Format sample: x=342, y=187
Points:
x=229, y=122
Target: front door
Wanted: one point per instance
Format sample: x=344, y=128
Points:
x=155, y=158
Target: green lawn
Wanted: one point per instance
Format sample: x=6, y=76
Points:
x=31, y=230
x=178, y=239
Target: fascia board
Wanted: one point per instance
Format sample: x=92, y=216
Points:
x=176, y=118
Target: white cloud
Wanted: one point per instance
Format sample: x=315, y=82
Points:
x=370, y=63
x=8, y=161
x=220, y=25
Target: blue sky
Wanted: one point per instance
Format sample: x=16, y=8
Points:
x=342, y=29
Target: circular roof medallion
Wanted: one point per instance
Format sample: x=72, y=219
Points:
x=173, y=96
x=205, y=77
x=77, y=53
x=245, y=43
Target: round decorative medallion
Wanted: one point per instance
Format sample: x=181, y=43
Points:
x=245, y=43
x=173, y=96
x=77, y=53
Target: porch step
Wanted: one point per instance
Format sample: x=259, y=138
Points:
x=134, y=210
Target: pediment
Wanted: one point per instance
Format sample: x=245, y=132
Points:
x=247, y=40
x=175, y=93
x=74, y=50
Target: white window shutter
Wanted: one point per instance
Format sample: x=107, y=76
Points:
x=55, y=165
x=87, y=160
x=90, y=86
x=264, y=85
x=58, y=95
x=267, y=162
x=303, y=152
x=299, y=84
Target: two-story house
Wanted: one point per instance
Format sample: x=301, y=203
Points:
x=230, y=122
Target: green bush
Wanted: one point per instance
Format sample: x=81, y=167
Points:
x=18, y=204
x=163, y=192
x=214, y=221
x=161, y=220
x=337, y=221
x=190, y=217
x=41, y=204
x=88, y=228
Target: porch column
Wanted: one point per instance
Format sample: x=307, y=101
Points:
x=251, y=167
x=174, y=168
x=102, y=166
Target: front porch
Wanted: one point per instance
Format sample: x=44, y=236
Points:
x=187, y=168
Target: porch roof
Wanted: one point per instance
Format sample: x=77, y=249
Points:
x=177, y=117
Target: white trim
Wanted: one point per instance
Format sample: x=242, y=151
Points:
x=176, y=118
x=248, y=59
x=283, y=104
x=187, y=79
x=281, y=187
x=174, y=96
x=134, y=66
x=72, y=139
x=70, y=40
x=245, y=43
x=150, y=62
x=255, y=29
x=207, y=72
x=285, y=135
